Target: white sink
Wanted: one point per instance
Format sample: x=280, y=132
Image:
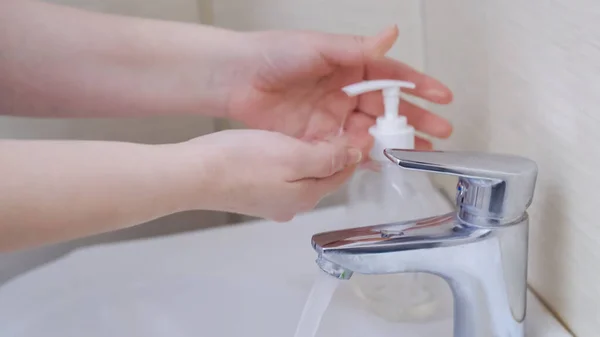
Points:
x=250, y=279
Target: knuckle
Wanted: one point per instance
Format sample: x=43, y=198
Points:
x=332, y=162
x=327, y=167
x=358, y=39
x=338, y=161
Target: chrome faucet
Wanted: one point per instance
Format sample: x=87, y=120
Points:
x=480, y=249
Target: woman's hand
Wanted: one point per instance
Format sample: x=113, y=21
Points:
x=262, y=173
x=93, y=187
x=282, y=81
x=291, y=82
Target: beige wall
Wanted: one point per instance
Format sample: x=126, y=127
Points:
x=348, y=16
x=527, y=76
x=180, y=10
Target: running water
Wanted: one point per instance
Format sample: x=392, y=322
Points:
x=316, y=304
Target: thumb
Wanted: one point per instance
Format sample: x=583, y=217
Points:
x=326, y=158
x=351, y=50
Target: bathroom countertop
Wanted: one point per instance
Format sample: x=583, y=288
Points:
x=260, y=251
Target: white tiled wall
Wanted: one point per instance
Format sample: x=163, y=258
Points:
x=526, y=75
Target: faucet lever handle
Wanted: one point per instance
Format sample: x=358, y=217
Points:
x=493, y=189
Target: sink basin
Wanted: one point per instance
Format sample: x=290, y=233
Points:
x=249, y=279
x=199, y=305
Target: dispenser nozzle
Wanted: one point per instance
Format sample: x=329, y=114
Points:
x=391, y=129
x=391, y=93
x=390, y=87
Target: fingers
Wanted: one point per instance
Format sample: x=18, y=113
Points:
x=319, y=188
x=320, y=181
x=421, y=119
x=423, y=144
x=353, y=50
x=357, y=130
x=358, y=126
x=325, y=158
x=425, y=121
x=313, y=190
x=427, y=87
x=381, y=43
x=326, y=186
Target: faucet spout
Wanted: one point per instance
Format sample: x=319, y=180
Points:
x=486, y=268
x=333, y=269
x=480, y=250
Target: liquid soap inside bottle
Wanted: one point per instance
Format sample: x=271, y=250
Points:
x=384, y=193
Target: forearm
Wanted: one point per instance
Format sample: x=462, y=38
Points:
x=59, y=61
x=52, y=190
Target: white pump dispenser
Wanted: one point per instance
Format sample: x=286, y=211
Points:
x=383, y=193
x=391, y=129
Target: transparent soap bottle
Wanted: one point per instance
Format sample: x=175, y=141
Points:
x=380, y=192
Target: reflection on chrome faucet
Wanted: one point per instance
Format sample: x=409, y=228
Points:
x=480, y=250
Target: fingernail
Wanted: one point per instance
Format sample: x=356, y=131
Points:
x=436, y=93
x=354, y=157
x=384, y=41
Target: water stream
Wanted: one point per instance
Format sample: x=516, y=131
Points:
x=318, y=300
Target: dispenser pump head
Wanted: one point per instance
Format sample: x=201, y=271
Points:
x=391, y=129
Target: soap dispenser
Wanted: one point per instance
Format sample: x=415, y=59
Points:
x=381, y=193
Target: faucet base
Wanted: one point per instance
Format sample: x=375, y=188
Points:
x=486, y=268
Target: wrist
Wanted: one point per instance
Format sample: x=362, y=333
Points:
x=195, y=174
x=188, y=68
